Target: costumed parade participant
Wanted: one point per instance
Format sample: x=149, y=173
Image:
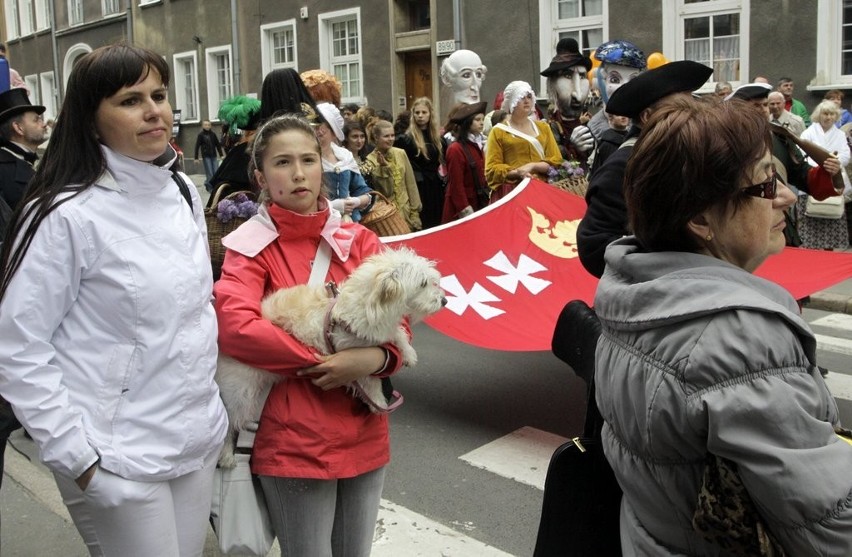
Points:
x=620, y=61
x=568, y=90
x=462, y=74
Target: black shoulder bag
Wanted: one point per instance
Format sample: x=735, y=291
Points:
x=184, y=190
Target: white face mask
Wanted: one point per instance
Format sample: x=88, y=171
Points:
x=613, y=76
x=464, y=76
x=571, y=90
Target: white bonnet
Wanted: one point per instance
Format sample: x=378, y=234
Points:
x=332, y=116
x=514, y=92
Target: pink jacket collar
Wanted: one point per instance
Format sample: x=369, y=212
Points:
x=264, y=228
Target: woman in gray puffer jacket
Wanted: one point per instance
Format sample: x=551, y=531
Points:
x=702, y=364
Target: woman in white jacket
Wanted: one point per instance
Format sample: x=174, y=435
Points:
x=818, y=232
x=107, y=333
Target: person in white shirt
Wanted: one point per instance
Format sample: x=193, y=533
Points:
x=107, y=332
x=822, y=233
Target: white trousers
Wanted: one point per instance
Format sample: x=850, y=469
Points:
x=127, y=518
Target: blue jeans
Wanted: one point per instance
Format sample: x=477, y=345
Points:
x=324, y=518
x=211, y=164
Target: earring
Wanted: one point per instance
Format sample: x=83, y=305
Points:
x=709, y=237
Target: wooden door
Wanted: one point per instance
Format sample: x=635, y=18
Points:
x=418, y=76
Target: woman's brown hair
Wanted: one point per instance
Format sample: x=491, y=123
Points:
x=693, y=155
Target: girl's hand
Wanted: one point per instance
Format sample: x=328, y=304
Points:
x=350, y=204
x=382, y=160
x=344, y=367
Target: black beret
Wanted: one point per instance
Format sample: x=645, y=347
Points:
x=648, y=87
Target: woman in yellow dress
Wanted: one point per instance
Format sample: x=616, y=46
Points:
x=520, y=147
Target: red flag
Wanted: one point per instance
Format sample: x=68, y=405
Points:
x=805, y=271
x=510, y=268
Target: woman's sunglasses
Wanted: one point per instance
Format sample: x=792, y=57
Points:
x=764, y=190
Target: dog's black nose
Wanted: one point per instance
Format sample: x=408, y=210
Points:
x=443, y=302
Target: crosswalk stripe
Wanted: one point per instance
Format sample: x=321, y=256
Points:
x=400, y=531
x=835, y=320
x=522, y=455
x=834, y=344
x=840, y=385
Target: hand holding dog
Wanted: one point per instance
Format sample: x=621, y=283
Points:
x=344, y=367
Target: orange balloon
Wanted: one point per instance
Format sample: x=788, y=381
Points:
x=656, y=59
x=595, y=62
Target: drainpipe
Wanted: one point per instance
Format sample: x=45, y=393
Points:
x=457, y=23
x=235, y=50
x=58, y=80
x=129, y=22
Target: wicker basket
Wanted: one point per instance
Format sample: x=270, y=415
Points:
x=576, y=185
x=216, y=229
x=384, y=218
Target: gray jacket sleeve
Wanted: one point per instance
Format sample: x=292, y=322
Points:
x=776, y=422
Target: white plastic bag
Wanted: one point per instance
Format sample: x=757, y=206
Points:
x=239, y=515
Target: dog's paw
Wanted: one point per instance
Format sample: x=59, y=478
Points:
x=227, y=459
x=409, y=356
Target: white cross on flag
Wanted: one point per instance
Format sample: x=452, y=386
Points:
x=508, y=269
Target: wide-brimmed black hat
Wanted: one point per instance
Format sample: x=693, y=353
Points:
x=750, y=92
x=567, y=56
x=465, y=111
x=647, y=88
x=15, y=101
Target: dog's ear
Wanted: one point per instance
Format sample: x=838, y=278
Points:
x=389, y=288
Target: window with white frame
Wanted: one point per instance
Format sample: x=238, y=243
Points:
x=27, y=13
x=278, y=45
x=712, y=32
x=834, y=46
x=31, y=83
x=583, y=20
x=185, y=84
x=340, y=51
x=110, y=7
x=42, y=14
x=13, y=29
x=219, y=78
x=75, y=12
x=48, y=95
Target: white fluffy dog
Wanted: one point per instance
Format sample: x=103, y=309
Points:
x=368, y=311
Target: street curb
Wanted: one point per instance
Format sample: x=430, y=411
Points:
x=828, y=301
x=42, y=486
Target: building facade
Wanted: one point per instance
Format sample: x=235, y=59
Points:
x=388, y=52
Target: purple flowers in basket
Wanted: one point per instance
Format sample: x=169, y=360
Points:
x=568, y=169
x=238, y=206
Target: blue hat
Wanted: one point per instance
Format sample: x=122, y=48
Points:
x=623, y=53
